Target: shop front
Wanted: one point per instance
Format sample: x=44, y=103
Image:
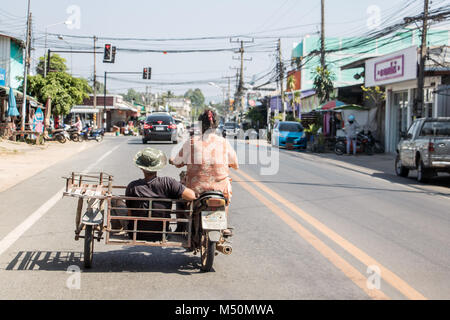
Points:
x=397, y=72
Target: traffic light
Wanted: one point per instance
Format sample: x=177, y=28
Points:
x=147, y=73
x=107, y=55
x=113, y=58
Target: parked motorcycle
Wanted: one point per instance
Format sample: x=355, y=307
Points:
x=365, y=143
x=88, y=133
x=59, y=135
x=73, y=133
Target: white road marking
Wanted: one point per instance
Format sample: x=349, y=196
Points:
x=14, y=235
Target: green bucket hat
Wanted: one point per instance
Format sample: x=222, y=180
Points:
x=150, y=159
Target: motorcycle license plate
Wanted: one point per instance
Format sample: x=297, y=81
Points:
x=214, y=220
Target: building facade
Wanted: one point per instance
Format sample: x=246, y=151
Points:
x=182, y=107
x=11, y=61
x=397, y=72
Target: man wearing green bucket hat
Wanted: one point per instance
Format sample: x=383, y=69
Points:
x=150, y=161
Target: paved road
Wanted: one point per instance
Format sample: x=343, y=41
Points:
x=312, y=231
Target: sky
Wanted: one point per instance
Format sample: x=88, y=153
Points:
x=181, y=19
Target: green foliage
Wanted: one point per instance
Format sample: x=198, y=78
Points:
x=323, y=83
x=312, y=129
x=64, y=90
x=254, y=115
x=197, y=98
x=57, y=64
x=133, y=95
x=374, y=94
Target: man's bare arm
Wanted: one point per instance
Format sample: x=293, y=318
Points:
x=188, y=194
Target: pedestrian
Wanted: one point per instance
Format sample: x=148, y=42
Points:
x=351, y=132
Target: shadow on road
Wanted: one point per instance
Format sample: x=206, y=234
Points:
x=128, y=259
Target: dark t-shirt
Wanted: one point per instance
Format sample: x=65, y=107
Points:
x=158, y=187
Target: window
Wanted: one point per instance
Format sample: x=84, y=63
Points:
x=435, y=129
x=166, y=120
x=291, y=127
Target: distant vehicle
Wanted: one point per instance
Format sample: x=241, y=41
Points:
x=160, y=126
x=425, y=148
x=180, y=127
x=289, y=132
x=231, y=129
x=219, y=129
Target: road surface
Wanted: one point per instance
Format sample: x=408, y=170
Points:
x=311, y=231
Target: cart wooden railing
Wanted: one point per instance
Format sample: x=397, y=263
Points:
x=100, y=194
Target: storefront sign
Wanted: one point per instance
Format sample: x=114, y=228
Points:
x=395, y=67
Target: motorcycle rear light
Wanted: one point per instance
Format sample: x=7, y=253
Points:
x=431, y=147
x=215, y=203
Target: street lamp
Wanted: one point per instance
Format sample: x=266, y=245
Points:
x=60, y=37
x=67, y=22
x=223, y=93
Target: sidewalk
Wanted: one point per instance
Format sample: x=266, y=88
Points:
x=19, y=161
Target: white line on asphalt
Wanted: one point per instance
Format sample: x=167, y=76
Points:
x=14, y=235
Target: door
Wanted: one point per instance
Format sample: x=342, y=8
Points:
x=407, y=145
x=399, y=118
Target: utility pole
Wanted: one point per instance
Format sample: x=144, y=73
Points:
x=240, y=90
x=25, y=73
x=281, y=70
x=322, y=35
x=95, y=81
x=423, y=53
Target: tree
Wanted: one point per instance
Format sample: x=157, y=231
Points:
x=133, y=95
x=323, y=83
x=376, y=96
x=197, y=99
x=196, y=96
x=64, y=90
x=57, y=64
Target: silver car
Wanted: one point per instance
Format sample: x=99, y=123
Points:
x=425, y=148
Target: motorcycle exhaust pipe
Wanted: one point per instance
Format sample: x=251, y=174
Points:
x=224, y=248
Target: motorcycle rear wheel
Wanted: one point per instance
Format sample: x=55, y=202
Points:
x=61, y=138
x=340, y=148
x=207, y=252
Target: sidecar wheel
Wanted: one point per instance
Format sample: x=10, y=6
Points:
x=88, y=246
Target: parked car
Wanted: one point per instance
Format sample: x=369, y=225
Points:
x=160, y=126
x=289, y=132
x=231, y=129
x=425, y=148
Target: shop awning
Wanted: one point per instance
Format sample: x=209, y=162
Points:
x=83, y=109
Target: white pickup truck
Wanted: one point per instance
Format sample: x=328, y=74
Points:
x=425, y=148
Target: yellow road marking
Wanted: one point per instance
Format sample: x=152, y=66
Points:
x=386, y=274
x=351, y=272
